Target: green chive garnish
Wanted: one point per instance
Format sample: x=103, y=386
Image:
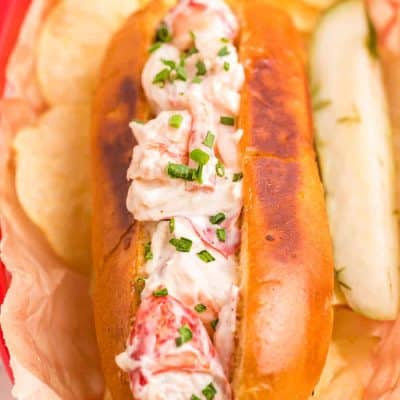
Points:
x=200, y=308
x=221, y=234
x=181, y=73
x=217, y=218
x=161, y=292
x=172, y=225
x=191, y=51
x=199, y=156
x=148, y=254
x=199, y=173
x=197, y=79
x=162, y=77
x=175, y=121
x=154, y=47
x=227, y=66
x=209, y=140
x=230, y=121
x=237, y=177
x=181, y=171
x=163, y=34
x=140, y=283
x=194, y=397
x=224, y=40
x=209, y=392
x=169, y=63
x=223, y=52
x=220, y=169
x=182, y=245
x=214, y=324
x=205, y=256
x=201, y=68
x=185, y=335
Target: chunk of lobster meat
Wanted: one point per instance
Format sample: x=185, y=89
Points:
x=169, y=354
x=385, y=15
x=159, y=143
x=224, y=338
x=225, y=237
x=226, y=147
x=222, y=88
x=147, y=200
x=163, y=92
x=210, y=19
x=204, y=126
x=189, y=277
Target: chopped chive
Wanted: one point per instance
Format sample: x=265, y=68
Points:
x=199, y=173
x=220, y=169
x=227, y=66
x=321, y=104
x=197, y=79
x=172, y=225
x=217, y=218
x=154, y=47
x=192, y=35
x=205, y=256
x=229, y=121
x=162, y=77
x=161, y=292
x=371, y=41
x=209, y=392
x=221, y=234
x=214, y=324
x=148, y=254
x=181, y=171
x=209, y=140
x=237, y=177
x=163, y=34
x=191, y=51
x=201, y=68
x=200, y=308
x=194, y=397
x=224, y=40
x=181, y=73
x=199, y=156
x=138, y=121
x=169, y=63
x=223, y=52
x=185, y=335
x=140, y=284
x=182, y=245
x=175, y=121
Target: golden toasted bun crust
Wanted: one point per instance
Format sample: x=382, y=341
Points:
x=287, y=257
x=117, y=239
x=287, y=267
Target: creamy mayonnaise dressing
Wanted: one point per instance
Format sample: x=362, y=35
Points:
x=186, y=178
x=159, y=367
x=186, y=276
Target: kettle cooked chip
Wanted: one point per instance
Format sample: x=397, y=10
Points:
x=53, y=181
x=72, y=44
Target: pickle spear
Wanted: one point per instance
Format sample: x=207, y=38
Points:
x=355, y=151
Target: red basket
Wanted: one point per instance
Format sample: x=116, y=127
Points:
x=12, y=13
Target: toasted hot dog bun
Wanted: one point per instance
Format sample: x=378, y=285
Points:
x=285, y=315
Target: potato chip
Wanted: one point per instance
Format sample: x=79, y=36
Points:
x=114, y=12
x=321, y=4
x=53, y=181
x=72, y=45
x=348, y=366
